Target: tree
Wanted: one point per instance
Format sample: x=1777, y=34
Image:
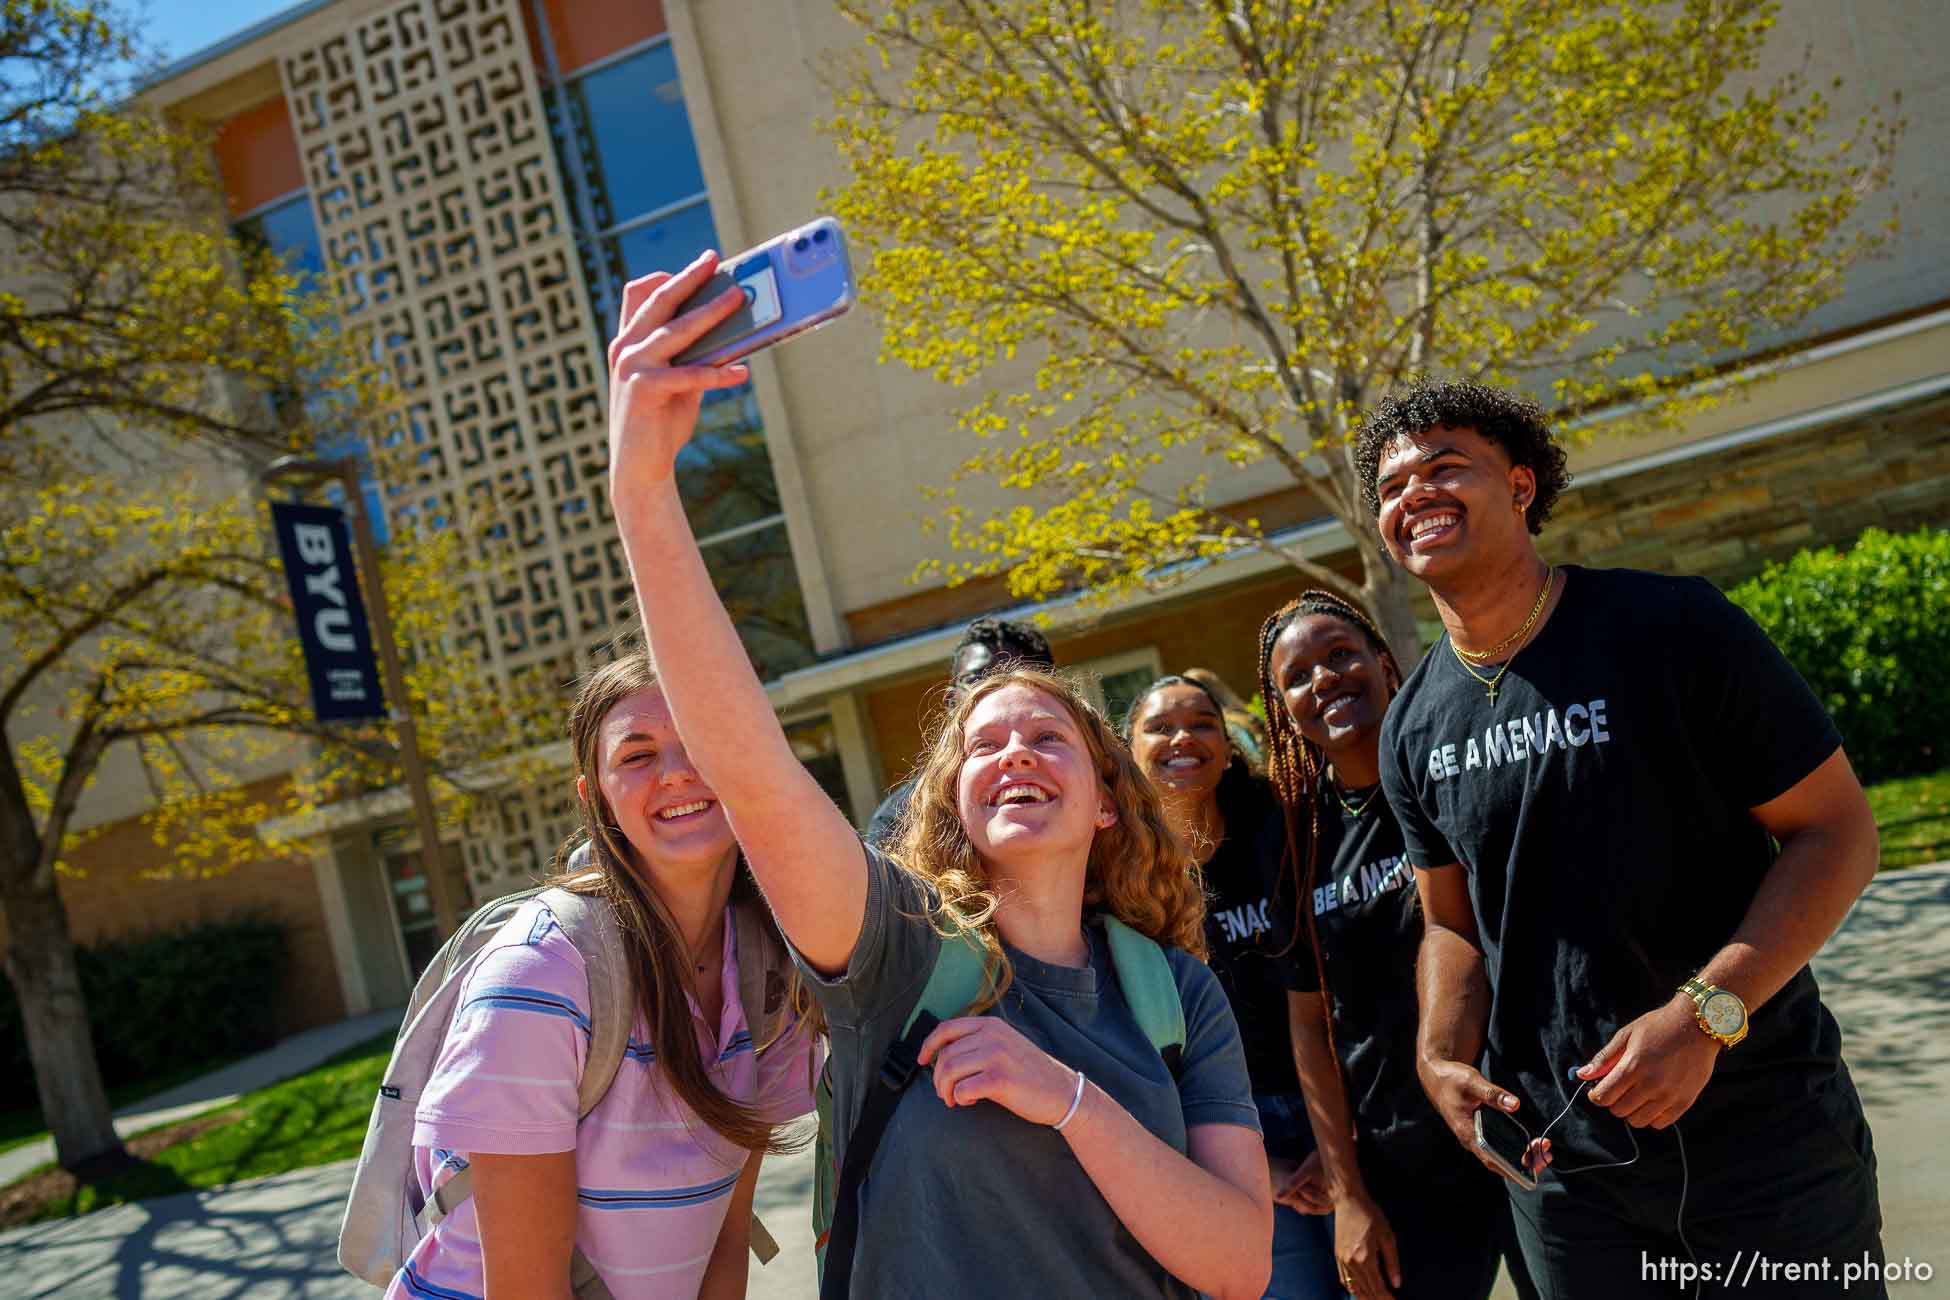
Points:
x=148, y=361
x=1222, y=229
x=156, y=618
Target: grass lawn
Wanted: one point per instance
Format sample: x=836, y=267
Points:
x=1914, y=816
x=313, y=1119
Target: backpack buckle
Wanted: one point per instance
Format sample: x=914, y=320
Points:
x=898, y=1067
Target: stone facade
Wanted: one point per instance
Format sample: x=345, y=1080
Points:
x=1729, y=515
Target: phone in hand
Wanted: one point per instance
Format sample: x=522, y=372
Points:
x=1506, y=1144
x=792, y=282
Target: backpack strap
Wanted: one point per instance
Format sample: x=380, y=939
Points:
x=1144, y=975
x=960, y=971
x=590, y=924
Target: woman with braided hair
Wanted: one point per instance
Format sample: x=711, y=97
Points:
x=1231, y=826
x=1414, y=1215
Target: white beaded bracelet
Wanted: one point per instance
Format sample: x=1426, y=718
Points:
x=1070, y=1114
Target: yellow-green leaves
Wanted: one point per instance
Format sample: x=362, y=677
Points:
x=1229, y=227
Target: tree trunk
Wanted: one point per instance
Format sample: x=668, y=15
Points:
x=41, y=966
x=1392, y=597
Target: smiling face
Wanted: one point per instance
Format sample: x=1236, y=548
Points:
x=1449, y=502
x=1027, y=785
x=664, y=809
x=1333, y=683
x=1179, y=739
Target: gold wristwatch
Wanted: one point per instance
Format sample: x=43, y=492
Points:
x=1721, y=1015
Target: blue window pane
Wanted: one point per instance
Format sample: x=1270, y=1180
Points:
x=667, y=244
x=287, y=230
x=634, y=136
x=760, y=590
x=724, y=472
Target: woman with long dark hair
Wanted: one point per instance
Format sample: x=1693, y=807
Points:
x=1233, y=828
x=654, y=1185
x=1038, y=1142
x=1415, y=1216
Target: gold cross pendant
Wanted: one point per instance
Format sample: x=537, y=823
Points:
x=1492, y=691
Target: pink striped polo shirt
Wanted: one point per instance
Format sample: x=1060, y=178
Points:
x=653, y=1182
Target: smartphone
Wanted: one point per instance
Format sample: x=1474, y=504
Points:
x=1505, y=1143
x=793, y=282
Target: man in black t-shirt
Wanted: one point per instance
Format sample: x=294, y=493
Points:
x=1592, y=769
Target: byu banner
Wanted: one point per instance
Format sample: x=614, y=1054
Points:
x=331, y=619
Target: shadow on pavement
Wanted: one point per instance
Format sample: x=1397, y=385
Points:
x=1887, y=972
x=274, y=1238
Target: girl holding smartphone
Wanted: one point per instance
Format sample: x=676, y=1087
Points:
x=1051, y=1151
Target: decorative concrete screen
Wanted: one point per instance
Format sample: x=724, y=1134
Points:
x=441, y=212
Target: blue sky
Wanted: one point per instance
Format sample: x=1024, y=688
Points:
x=180, y=28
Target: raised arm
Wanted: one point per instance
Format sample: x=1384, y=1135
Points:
x=802, y=850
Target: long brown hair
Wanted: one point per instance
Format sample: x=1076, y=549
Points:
x=1296, y=767
x=1137, y=872
x=657, y=956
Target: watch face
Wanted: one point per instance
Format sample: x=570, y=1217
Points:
x=1723, y=1014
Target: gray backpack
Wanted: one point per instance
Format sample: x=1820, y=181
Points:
x=385, y=1214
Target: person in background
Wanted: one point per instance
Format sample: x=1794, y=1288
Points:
x=989, y=644
x=1050, y=1148
x=1243, y=727
x=1230, y=824
x=1415, y=1216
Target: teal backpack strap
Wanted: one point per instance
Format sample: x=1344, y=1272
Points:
x=1144, y=975
x=960, y=971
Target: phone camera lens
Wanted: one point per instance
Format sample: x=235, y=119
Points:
x=800, y=244
x=819, y=236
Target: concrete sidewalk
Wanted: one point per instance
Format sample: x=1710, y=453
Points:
x=293, y=1056
x=1886, y=975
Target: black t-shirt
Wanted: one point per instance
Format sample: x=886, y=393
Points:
x=1600, y=807
x=1249, y=928
x=1370, y=926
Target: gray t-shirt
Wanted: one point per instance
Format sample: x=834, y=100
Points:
x=974, y=1200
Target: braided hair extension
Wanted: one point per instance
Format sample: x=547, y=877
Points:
x=1296, y=768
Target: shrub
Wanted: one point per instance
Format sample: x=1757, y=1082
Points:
x=159, y=1001
x=1869, y=628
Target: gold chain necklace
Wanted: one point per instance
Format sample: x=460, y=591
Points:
x=1484, y=656
x=1491, y=681
x=1354, y=810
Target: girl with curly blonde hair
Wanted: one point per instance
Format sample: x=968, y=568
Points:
x=1051, y=1149
x=1138, y=870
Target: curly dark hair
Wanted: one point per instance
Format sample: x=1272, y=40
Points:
x=1006, y=639
x=1511, y=421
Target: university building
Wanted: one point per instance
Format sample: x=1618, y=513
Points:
x=481, y=177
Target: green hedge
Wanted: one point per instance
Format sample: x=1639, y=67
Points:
x=159, y=1001
x=1869, y=628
